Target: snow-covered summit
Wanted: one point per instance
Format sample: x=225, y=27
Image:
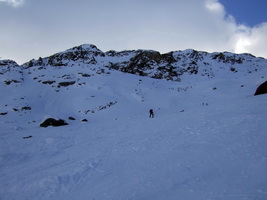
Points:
x=84, y=53
x=7, y=62
x=10, y=72
x=84, y=48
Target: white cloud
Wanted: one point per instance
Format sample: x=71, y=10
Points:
x=160, y=25
x=14, y=3
x=215, y=6
x=225, y=34
x=252, y=39
x=203, y=26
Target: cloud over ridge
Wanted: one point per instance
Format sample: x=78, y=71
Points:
x=208, y=27
x=244, y=39
x=41, y=29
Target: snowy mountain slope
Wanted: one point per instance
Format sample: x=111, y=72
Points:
x=207, y=140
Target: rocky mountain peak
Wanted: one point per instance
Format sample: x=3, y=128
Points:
x=10, y=72
x=84, y=53
x=8, y=63
x=84, y=48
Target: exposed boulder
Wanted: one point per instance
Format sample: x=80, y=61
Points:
x=66, y=83
x=27, y=137
x=262, y=89
x=53, y=122
x=71, y=118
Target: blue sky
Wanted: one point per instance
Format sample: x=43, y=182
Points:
x=249, y=12
x=38, y=28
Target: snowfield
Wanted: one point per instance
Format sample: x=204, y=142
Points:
x=208, y=139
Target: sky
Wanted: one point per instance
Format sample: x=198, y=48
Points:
x=30, y=29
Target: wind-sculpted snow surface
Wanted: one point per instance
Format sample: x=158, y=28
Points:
x=207, y=141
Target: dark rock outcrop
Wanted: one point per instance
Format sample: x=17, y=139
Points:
x=71, y=118
x=53, y=122
x=262, y=89
x=27, y=137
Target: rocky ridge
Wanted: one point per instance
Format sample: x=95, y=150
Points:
x=170, y=66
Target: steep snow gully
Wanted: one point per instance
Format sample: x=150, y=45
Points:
x=207, y=141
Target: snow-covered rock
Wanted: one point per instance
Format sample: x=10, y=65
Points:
x=10, y=72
